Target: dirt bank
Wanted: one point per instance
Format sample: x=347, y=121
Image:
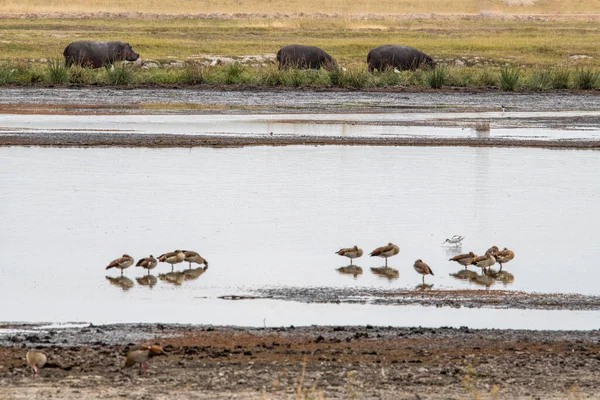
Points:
x=307, y=362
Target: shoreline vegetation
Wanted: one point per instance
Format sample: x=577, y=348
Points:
x=236, y=74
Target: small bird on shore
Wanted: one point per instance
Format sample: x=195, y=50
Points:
x=350, y=252
x=124, y=262
x=386, y=251
x=464, y=259
x=193, y=257
x=504, y=256
x=147, y=262
x=174, y=257
x=36, y=360
x=456, y=240
x=141, y=354
x=422, y=269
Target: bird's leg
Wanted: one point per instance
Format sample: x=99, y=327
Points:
x=140, y=368
x=350, y=262
x=190, y=266
x=172, y=266
x=500, y=267
x=423, y=279
x=121, y=272
x=386, y=262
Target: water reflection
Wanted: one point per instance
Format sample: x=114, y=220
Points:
x=483, y=280
x=147, y=280
x=354, y=270
x=194, y=273
x=502, y=276
x=386, y=272
x=482, y=129
x=121, y=281
x=424, y=286
x=175, y=277
x=464, y=274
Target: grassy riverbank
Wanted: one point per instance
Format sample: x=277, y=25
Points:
x=267, y=75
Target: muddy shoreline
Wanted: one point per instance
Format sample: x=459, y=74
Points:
x=108, y=101
x=341, y=362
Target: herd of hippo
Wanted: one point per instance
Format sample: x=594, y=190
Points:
x=94, y=54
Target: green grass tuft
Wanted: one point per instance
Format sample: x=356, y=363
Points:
x=437, y=77
x=585, y=78
x=509, y=79
x=58, y=74
x=119, y=76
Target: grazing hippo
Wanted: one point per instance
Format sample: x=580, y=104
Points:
x=304, y=57
x=400, y=57
x=88, y=53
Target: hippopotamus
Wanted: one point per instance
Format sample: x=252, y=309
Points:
x=400, y=57
x=304, y=57
x=87, y=53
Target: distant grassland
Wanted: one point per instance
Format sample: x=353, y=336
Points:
x=551, y=44
x=386, y=7
x=516, y=42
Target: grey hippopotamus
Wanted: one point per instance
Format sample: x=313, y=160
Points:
x=400, y=57
x=304, y=57
x=87, y=53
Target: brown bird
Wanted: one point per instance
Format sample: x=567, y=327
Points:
x=174, y=257
x=147, y=263
x=484, y=262
x=124, y=262
x=504, y=256
x=193, y=257
x=141, y=354
x=422, y=269
x=464, y=259
x=350, y=252
x=36, y=360
x=386, y=251
x=492, y=250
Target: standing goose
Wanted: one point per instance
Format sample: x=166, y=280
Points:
x=174, y=257
x=492, y=250
x=464, y=259
x=124, y=262
x=504, y=256
x=350, y=252
x=141, y=354
x=422, y=269
x=193, y=257
x=147, y=263
x=484, y=262
x=36, y=360
x=386, y=251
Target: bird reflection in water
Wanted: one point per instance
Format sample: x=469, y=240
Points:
x=386, y=272
x=175, y=277
x=501, y=276
x=424, y=286
x=464, y=274
x=483, y=280
x=482, y=129
x=191, y=274
x=121, y=281
x=354, y=270
x=147, y=280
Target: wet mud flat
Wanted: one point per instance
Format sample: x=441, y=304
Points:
x=340, y=362
x=423, y=295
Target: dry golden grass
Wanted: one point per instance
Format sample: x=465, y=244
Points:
x=386, y=7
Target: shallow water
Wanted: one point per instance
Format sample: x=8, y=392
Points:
x=372, y=125
x=273, y=217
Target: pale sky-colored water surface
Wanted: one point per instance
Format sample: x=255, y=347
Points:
x=274, y=216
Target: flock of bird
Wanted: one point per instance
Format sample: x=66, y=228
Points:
x=492, y=256
x=139, y=354
x=149, y=263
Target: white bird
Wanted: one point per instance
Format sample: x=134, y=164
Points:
x=456, y=239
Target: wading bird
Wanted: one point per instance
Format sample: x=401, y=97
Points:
x=422, y=269
x=386, y=251
x=464, y=259
x=147, y=263
x=124, y=262
x=504, y=256
x=174, y=257
x=193, y=257
x=350, y=252
x=456, y=240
